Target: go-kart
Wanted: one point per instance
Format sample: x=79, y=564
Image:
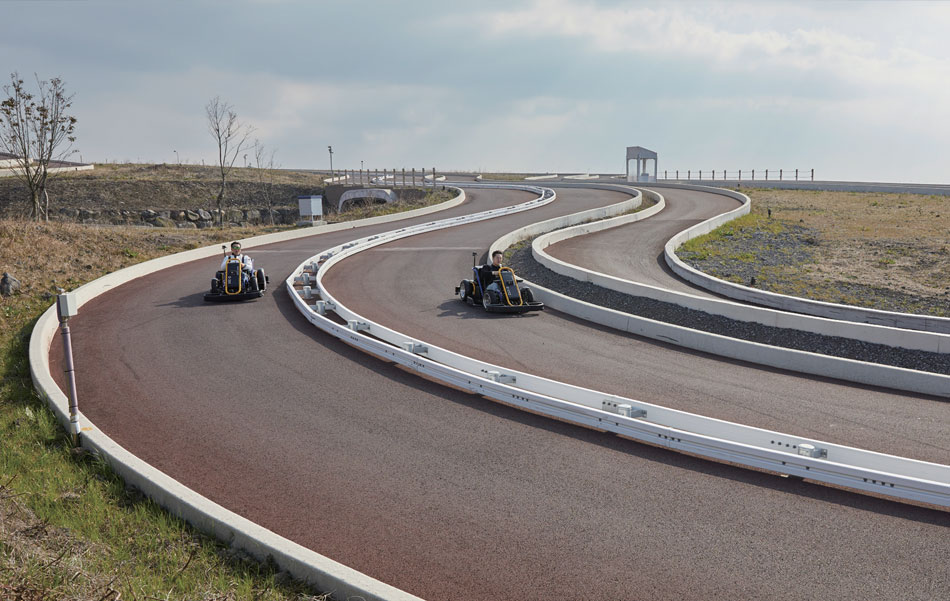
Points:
x=234, y=283
x=505, y=297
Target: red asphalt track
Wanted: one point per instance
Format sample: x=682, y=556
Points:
x=451, y=496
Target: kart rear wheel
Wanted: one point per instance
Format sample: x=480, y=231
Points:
x=261, y=279
x=526, y=295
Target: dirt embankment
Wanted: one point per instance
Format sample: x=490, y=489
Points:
x=182, y=196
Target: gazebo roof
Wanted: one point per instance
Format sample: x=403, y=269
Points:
x=634, y=152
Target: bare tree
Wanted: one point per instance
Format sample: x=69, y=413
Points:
x=34, y=128
x=230, y=135
x=264, y=162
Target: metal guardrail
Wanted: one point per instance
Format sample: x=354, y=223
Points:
x=868, y=471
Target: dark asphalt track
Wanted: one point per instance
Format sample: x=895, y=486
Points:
x=635, y=251
x=451, y=496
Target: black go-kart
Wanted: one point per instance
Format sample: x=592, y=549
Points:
x=232, y=284
x=507, y=298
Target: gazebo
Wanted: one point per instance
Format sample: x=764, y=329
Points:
x=641, y=156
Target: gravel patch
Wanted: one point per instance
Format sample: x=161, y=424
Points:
x=532, y=271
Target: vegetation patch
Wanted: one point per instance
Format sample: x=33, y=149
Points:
x=883, y=251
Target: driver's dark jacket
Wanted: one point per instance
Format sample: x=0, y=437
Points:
x=486, y=274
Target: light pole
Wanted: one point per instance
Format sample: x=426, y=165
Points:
x=245, y=161
x=330, y=149
x=177, y=158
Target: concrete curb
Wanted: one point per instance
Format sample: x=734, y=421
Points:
x=783, y=302
x=910, y=339
x=793, y=360
x=321, y=572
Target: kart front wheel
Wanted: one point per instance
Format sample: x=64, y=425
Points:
x=526, y=295
x=488, y=299
x=261, y=279
x=463, y=291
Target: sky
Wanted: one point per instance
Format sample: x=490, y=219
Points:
x=854, y=90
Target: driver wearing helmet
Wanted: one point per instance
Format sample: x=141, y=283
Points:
x=247, y=264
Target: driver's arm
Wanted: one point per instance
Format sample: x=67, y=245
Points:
x=248, y=263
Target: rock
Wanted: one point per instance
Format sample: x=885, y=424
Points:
x=187, y=225
x=234, y=215
x=148, y=214
x=8, y=285
x=204, y=223
x=165, y=214
x=253, y=216
x=88, y=215
x=204, y=215
x=162, y=222
x=192, y=216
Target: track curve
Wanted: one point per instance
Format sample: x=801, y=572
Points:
x=450, y=496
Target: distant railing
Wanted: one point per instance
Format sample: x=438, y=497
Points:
x=389, y=178
x=740, y=175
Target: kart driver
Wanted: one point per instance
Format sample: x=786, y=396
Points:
x=247, y=264
x=488, y=272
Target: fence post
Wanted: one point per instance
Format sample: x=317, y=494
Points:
x=688, y=173
x=740, y=175
x=413, y=177
x=796, y=175
x=812, y=175
x=723, y=175
x=433, y=178
x=700, y=174
x=779, y=175
x=664, y=174
x=677, y=174
x=766, y=175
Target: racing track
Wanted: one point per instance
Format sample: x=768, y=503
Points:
x=635, y=251
x=450, y=496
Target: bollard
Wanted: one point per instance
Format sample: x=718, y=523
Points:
x=67, y=307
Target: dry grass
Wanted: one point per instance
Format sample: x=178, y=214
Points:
x=885, y=251
x=895, y=241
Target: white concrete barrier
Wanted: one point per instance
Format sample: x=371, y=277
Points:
x=541, y=177
x=859, y=469
x=793, y=304
x=321, y=572
x=895, y=337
